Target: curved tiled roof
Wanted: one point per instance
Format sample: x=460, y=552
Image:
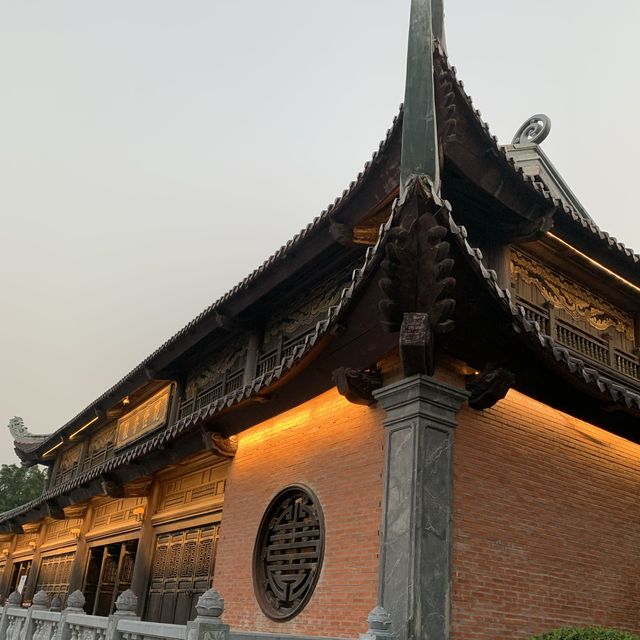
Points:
x=259, y=385
x=277, y=257
x=535, y=183
x=611, y=389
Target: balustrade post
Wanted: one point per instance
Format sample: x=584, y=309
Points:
x=379, y=625
x=14, y=600
x=126, y=606
x=208, y=625
x=75, y=604
x=40, y=602
x=56, y=604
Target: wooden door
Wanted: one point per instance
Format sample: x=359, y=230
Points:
x=182, y=570
x=20, y=569
x=108, y=574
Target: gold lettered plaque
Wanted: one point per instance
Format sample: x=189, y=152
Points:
x=145, y=417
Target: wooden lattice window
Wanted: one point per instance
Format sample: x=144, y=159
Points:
x=54, y=575
x=288, y=553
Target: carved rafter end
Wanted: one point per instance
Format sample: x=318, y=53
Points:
x=357, y=386
x=489, y=387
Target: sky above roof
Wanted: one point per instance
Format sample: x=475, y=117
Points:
x=152, y=153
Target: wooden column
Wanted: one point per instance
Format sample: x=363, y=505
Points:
x=8, y=568
x=76, y=576
x=30, y=584
x=251, y=361
x=146, y=547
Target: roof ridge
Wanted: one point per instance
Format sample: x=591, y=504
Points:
x=532, y=184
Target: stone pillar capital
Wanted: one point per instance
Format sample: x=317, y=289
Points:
x=421, y=396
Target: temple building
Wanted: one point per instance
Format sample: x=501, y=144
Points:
x=427, y=402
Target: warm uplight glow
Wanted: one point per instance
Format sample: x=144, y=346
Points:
x=126, y=400
x=310, y=416
x=5, y=552
x=32, y=544
x=594, y=262
x=75, y=532
x=46, y=453
x=75, y=433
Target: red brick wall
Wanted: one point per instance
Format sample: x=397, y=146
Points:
x=546, y=524
x=335, y=448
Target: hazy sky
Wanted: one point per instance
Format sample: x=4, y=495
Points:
x=152, y=153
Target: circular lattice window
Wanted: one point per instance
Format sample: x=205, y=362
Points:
x=288, y=553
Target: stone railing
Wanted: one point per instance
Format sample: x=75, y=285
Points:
x=45, y=621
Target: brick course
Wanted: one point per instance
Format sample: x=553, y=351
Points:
x=546, y=523
x=335, y=448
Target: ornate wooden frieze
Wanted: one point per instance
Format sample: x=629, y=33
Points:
x=62, y=530
x=144, y=418
x=577, y=301
x=416, y=282
x=303, y=311
x=229, y=359
x=117, y=513
x=288, y=553
x=195, y=487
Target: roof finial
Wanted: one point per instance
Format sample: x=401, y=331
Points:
x=419, y=131
x=17, y=428
x=534, y=130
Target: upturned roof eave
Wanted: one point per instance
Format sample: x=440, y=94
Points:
x=215, y=314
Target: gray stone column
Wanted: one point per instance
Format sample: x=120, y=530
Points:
x=415, y=561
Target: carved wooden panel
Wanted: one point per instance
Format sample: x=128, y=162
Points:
x=183, y=568
x=116, y=513
x=205, y=484
x=212, y=373
x=144, y=418
x=61, y=529
x=577, y=301
x=54, y=575
x=69, y=463
x=23, y=540
x=288, y=553
x=100, y=447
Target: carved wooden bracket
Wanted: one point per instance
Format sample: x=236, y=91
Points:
x=111, y=486
x=341, y=233
x=12, y=527
x=76, y=511
x=527, y=230
x=54, y=510
x=417, y=282
x=490, y=386
x=138, y=488
x=216, y=443
x=357, y=386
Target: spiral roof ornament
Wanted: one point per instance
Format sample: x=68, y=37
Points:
x=534, y=131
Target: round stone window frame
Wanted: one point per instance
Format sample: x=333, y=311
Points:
x=274, y=505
